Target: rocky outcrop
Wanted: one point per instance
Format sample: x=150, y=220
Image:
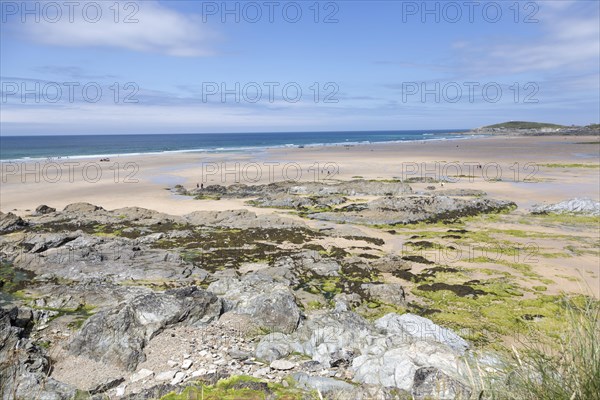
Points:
x=297, y=202
x=357, y=187
x=10, y=222
x=240, y=219
x=23, y=366
x=411, y=209
x=77, y=256
x=583, y=206
x=418, y=328
x=118, y=335
x=431, y=383
x=271, y=305
x=388, y=353
x=81, y=208
x=44, y=209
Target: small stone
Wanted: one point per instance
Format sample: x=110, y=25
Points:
x=165, y=376
x=186, y=356
x=141, y=374
x=186, y=364
x=262, y=371
x=285, y=384
x=203, y=353
x=282, y=365
x=199, y=372
x=179, y=377
x=172, y=364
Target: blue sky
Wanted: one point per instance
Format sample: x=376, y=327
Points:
x=379, y=65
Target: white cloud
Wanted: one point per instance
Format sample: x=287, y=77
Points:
x=569, y=40
x=158, y=29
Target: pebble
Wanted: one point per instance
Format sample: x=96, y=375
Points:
x=141, y=374
x=199, y=372
x=186, y=364
x=172, y=364
x=165, y=376
x=179, y=377
x=282, y=365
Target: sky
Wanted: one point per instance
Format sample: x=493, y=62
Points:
x=115, y=67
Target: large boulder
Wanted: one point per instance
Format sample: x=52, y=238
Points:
x=386, y=354
x=329, y=337
x=81, y=208
x=118, y=335
x=271, y=304
x=584, y=206
x=10, y=222
x=44, y=209
x=396, y=365
x=418, y=328
x=390, y=293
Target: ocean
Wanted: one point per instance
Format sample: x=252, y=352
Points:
x=43, y=147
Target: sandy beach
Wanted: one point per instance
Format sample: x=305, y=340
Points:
x=442, y=229
x=508, y=170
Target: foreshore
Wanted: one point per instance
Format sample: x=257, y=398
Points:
x=508, y=171
x=295, y=265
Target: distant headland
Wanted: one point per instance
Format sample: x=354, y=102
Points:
x=522, y=128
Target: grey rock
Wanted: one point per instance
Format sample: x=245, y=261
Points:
x=323, y=384
x=390, y=263
x=357, y=187
x=282, y=365
x=397, y=364
x=10, y=222
x=119, y=335
x=328, y=337
x=240, y=219
x=24, y=367
x=81, y=208
x=273, y=346
x=283, y=201
x=431, y=383
x=38, y=243
x=376, y=392
x=419, y=328
x=141, y=374
x=411, y=209
x=178, y=378
x=271, y=304
x=106, y=385
x=584, y=206
x=461, y=192
x=165, y=376
x=390, y=293
x=44, y=209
